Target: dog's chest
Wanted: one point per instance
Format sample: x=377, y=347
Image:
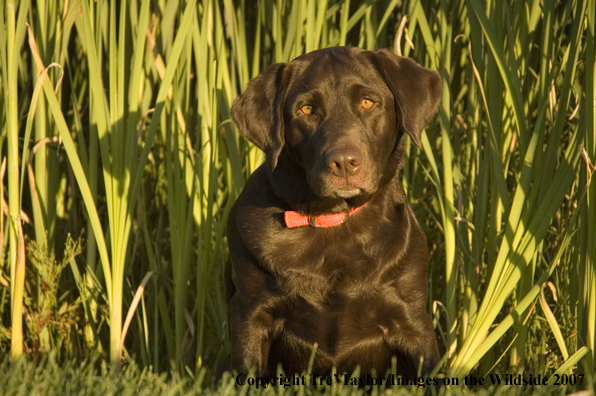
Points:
x=326, y=270
x=333, y=299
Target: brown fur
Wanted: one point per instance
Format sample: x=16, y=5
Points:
x=358, y=289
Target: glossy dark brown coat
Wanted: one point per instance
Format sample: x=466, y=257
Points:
x=359, y=289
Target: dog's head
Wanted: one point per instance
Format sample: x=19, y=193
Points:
x=335, y=117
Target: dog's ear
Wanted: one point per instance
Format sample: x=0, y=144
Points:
x=258, y=112
x=417, y=90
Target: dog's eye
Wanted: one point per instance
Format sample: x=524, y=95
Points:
x=306, y=110
x=366, y=104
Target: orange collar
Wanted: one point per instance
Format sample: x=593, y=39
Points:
x=295, y=219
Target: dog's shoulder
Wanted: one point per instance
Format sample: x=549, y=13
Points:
x=256, y=203
x=256, y=217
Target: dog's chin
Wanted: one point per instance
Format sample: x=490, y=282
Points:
x=347, y=192
x=334, y=192
x=343, y=192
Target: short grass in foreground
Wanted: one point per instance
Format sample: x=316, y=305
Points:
x=49, y=376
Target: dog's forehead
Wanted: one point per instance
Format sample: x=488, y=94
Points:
x=338, y=67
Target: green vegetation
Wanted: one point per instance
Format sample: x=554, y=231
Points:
x=119, y=165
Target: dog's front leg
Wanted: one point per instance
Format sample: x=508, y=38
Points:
x=250, y=333
x=413, y=342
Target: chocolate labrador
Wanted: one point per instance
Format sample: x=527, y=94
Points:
x=324, y=248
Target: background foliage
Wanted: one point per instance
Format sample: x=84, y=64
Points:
x=120, y=164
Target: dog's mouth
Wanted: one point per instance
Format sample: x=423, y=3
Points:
x=326, y=186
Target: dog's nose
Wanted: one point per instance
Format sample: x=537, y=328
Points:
x=344, y=162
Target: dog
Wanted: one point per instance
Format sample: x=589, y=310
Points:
x=323, y=247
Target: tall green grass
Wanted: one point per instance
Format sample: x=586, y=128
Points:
x=115, y=131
